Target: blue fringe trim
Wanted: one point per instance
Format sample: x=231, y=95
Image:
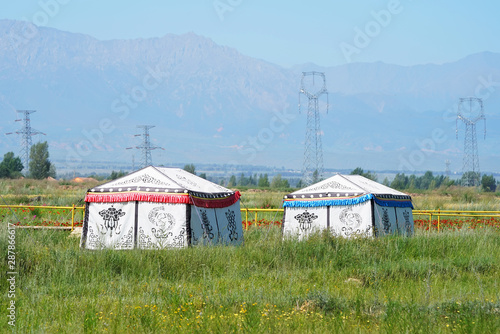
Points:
x=348, y=201
x=328, y=202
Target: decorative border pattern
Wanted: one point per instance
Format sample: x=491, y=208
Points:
x=314, y=200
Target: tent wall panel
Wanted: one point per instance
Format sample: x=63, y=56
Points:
x=347, y=220
x=405, y=221
x=229, y=223
x=109, y=225
x=204, y=227
x=301, y=221
x=385, y=220
x=161, y=225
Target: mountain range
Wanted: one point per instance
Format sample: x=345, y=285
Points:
x=211, y=104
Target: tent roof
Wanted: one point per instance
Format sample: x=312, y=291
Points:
x=164, y=185
x=346, y=190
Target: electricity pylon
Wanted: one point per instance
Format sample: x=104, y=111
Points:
x=26, y=133
x=312, y=170
x=146, y=146
x=470, y=111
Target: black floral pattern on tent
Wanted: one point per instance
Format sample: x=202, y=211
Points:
x=111, y=217
x=146, y=178
x=94, y=240
x=231, y=225
x=206, y=226
x=179, y=241
x=386, y=223
x=162, y=222
x=305, y=220
x=161, y=219
x=352, y=222
x=185, y=180
x=332, y=185
x=350, y=219
x=127, y=242
x=408, y=223
x=145, y=241
x=162, y=240
x=349, y=232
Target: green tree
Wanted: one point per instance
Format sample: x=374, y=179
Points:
x=278, y=183
x=11, y=166
x=232, y=181
x=190, y=168
x=488, y=183
x=400, y=181
x=242, y=181
x=263, y=181
x=203, y=175
x=368, y=175
x=470, y=179
x=40, y=165
x=386, y=182
x=115, y=175
x=426, y=180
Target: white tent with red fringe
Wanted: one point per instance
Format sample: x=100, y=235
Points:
x=159, y=207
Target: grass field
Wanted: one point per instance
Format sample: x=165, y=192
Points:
x=446, y=282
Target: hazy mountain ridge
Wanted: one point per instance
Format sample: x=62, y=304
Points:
x=219, y=97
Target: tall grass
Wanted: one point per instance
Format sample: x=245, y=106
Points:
x=430, y=283
x=427, y=283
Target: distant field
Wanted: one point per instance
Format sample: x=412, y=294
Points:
x=64, y=193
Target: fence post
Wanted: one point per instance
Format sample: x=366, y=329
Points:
x=246, y=218
x=73, y=218
x=439, y=218
x=430, y=222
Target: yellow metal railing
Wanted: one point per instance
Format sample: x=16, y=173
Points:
x=454, y=213
x=255, y=211
x=73, y=209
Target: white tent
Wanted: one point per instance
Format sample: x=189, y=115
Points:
x=347, y=205
x=156, y=208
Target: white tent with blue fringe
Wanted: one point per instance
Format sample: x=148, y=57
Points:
x=347, y=205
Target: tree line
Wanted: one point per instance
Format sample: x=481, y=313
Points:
x=39, y=167
x=428, y=181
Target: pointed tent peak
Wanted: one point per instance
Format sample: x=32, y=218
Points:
x=164, y=185
x=340, y=183
x=190, y=181
x=373, y=186
x=142, y=178
x=335, y=184
x=346, y=190
x=175, y=179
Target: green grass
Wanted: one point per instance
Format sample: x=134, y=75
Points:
x=429, y=283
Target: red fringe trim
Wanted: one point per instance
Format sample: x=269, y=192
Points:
x=137, y=196
x=163, y=198
x=216, y=202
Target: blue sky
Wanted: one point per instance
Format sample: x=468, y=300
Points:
x=327, y=33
